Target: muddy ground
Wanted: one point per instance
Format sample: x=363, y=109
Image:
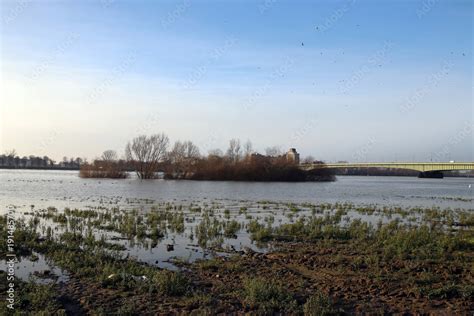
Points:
x=353, y=280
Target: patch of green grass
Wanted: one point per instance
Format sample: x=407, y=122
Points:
x=231, y=228
x=171, y=283
x=210, y=264
x=319, y=304
x=208, y=230
x=259, y=232
x=199, y=299
x=448, y=291
x=268, y=297
x=33, y=299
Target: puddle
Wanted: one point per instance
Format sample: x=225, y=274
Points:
x=40, y=270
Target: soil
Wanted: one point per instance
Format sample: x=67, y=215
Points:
x=339, y=270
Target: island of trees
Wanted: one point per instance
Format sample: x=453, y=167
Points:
x=151, y=157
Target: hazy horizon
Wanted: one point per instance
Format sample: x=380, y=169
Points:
x=338, y=80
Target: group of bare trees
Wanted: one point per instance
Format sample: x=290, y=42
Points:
x=146, y=155
x=108, y=166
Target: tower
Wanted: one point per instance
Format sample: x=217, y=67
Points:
x=293, y=156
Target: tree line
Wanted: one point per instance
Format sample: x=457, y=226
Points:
x=10, y=160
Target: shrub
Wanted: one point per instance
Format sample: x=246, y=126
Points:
x=103, y=169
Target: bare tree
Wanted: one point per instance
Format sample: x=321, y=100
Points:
x=183, y=151
x=183, y=157
x=248, y=148
x=191, y=150
x=234, y=150
x=273, y=151
x=109, y=155
x=145, y=153
x=10, y=153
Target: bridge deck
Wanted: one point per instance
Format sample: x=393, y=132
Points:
x=418, y=166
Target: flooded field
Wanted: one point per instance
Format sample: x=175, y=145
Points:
x=65, y=189
x=149, y=218
x=174, y=225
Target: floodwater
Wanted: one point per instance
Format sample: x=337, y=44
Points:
x=24, y=188
x=32, y=190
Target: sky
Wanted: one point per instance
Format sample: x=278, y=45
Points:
x=349, y=80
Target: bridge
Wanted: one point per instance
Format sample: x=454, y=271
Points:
x=426, y=169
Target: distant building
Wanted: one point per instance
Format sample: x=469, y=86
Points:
x=293, y=156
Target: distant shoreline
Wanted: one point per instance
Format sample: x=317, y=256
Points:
x=39, y=168
x=446, y=174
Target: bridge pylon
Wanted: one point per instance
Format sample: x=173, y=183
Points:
x=431, y=174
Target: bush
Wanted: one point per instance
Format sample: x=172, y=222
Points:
x=255, y=168
x=103, y=169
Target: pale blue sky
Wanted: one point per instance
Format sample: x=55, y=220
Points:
x=340, y=80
